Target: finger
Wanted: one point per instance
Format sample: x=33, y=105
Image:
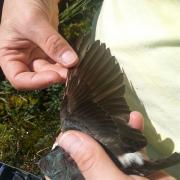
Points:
x=47, y=178
x=89, y=156
x=53, y=44
x=40, y=65
x=21, y=78
x=136, y=120
x=161, y=176
x=33, y=80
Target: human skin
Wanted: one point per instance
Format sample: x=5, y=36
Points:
x=93, y=161
x=33, y=55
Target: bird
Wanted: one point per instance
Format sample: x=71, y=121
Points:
x=94, y=103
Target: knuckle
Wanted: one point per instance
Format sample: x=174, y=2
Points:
x=86, y=159
x=30, y=18
x=54, y=44
x=17, y=83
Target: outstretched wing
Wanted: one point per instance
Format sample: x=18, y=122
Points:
x=94, y=100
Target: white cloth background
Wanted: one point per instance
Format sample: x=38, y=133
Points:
x=144, y=36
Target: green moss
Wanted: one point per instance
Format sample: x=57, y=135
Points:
x=29, y=124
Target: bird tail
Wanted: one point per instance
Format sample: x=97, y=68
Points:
x=150, y=167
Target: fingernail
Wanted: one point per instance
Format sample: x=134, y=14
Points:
x=68, y=58
x=70, y=143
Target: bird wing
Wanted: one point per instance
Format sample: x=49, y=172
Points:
x=94, y=99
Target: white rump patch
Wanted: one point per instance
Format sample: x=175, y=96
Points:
x=129, y=158
x=54, y=145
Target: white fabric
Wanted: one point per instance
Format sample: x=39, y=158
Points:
x=144, y=36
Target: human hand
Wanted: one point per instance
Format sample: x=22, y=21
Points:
x=32, y=53
x=92, y=160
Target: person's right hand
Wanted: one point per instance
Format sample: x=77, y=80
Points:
x=93, y=161
x=32, y=53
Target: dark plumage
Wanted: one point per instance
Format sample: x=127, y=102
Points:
x=94, y=103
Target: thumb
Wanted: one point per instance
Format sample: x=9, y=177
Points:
x=53, y=44
x=90, y=157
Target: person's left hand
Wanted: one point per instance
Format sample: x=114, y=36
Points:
x=93, y=161
x=33, y=55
